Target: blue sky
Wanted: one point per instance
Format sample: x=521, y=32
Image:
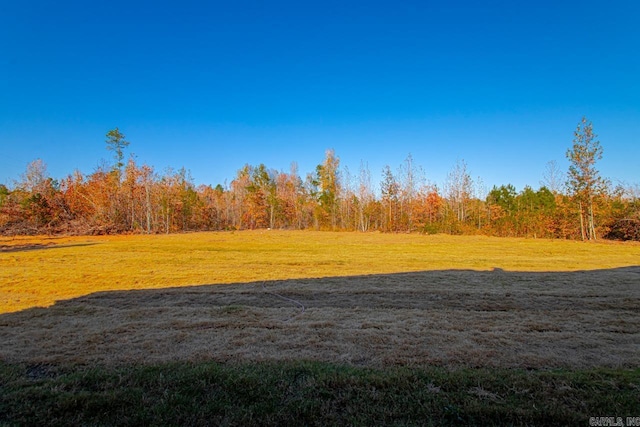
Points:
x=211, y=86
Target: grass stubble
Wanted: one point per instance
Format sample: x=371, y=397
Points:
x=394, y=330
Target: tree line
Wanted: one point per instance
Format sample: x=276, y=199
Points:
x=127, y=197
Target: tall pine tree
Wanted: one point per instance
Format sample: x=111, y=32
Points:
x=116, y=143
x=584, y=181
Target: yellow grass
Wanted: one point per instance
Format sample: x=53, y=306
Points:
x=361, y=299
x=36, y=272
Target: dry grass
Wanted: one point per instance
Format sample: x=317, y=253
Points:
x=40, y=271
x=369, y=300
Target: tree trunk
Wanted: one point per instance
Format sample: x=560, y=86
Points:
x=148, y=208
x=582, y=230
x=592, y=226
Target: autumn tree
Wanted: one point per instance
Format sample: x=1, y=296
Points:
x=212, y=210
x=427, y=208
x=262, y=196
x=622, y=220
x=501, y=202
x=289, y=195
x=4, y=192
x=390, y=189
x=237, y=201
x=584, y=181
x=534, y=211
x=310, y=203
x=187, y=199
x=328, y=179
x=299, y=193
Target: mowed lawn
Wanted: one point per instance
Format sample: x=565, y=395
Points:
x=317, y=328
x=373, y=300
x=37, y=272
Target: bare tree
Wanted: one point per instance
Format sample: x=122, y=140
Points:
x=365, y=196
x=410, y=177
x=390, y=190
x=458, y=188
x=34, y=177
x=552, y=177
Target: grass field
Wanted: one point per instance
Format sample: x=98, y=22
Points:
x=39, y=271
x=320, y=328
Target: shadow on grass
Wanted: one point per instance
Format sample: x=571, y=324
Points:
x=450, y=318
x=424, y=348
x=40, y=246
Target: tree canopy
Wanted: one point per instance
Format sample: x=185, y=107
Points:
x=135, y=198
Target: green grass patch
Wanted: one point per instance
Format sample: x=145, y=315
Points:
x=304, y=393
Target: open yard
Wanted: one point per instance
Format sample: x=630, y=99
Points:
x=378, y=302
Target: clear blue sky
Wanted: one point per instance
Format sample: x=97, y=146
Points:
x=211, y=86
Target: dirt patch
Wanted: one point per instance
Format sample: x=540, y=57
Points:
x=451, y=318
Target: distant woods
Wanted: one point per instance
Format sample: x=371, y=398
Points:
x=132, y=198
